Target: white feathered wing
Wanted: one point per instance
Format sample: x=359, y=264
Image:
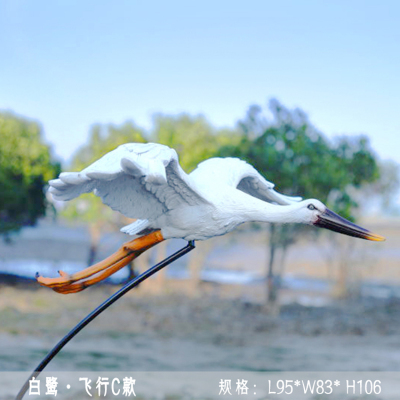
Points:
x=240, y=175
x=141, y=181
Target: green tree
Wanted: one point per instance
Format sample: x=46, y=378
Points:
x=25, y=168
x=382, y=195
x=88, y=207
x=289, y=151
x=193, y=137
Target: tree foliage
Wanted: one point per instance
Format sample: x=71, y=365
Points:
x=193, y=137
x=382, y=195
x=25, y=168
x=289, y=151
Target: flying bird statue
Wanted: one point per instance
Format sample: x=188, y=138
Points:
x=146, y=182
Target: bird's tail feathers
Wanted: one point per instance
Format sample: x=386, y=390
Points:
x=139, y=227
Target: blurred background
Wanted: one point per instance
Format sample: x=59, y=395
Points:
x=307, y=92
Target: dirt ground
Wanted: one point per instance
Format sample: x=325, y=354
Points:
x=171, y=332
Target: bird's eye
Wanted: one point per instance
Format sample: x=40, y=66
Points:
x=311, y=207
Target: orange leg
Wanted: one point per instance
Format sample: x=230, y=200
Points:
x=66, y=283
x=82, y=284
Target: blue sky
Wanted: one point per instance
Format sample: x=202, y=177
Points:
x=73, y=63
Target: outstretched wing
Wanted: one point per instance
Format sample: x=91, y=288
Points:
x=141, y=181
x=241, y=175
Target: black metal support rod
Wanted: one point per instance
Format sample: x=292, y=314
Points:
x=112, y=299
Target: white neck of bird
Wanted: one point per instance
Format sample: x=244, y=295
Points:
x=261, y=211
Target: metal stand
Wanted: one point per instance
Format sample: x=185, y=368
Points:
x=112, y=299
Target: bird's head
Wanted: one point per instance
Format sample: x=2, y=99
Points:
x=314, y=212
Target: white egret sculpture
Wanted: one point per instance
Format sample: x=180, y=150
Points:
x=146, y=182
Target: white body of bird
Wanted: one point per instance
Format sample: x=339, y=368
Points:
x=146, y=182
